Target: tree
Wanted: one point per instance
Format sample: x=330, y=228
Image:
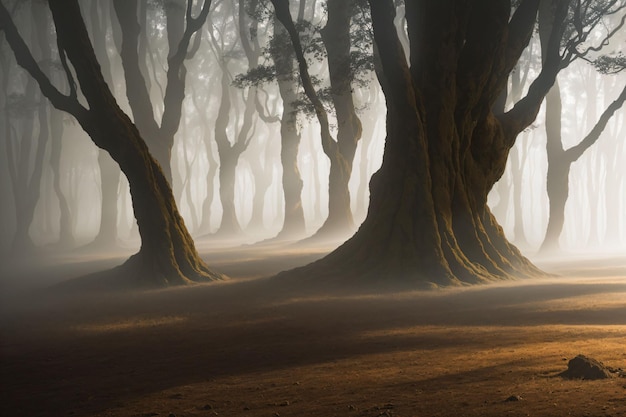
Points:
x=340, y=151
x=279, y=51
x=428, y=219
x=560, y=160
x=336, y=37
x=27, y=133
x=293, y=222
x=181, y=26
x=167, y=255
x=230, y=151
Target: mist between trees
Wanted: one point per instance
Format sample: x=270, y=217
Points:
x=265, y=136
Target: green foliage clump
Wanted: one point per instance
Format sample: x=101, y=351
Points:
x=607, y=64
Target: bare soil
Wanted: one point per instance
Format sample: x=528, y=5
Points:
x=259, y=347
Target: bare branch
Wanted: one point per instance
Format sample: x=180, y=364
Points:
x=25, y=59
x=577, y=151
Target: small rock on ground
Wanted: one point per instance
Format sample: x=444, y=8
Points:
x=582, y=367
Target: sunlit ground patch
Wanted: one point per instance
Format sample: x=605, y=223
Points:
x=129, y=324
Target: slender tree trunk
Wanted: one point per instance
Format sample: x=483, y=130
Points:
x=6, y=203
x=615, y=181
x=205, y=225
x=518, y=219
x=27, y=168
x=66, y=235
x=336, y=38
x=558, y=171
x=293, y=223
x=262, y=174
x=229, y=158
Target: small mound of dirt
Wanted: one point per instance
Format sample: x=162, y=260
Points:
x=582, y=367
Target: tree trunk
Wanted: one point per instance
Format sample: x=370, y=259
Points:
x=336, y=38
x=293, y=222
x=518, y=219
x=109, y=170
x=66, y=235
x=7, y=206
x=558, y=171
x=167, y=255
x=262, y=173
x=27, y=167
x=229, y=158
x=228, y=166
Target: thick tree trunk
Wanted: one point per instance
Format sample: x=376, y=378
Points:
x=428, y=220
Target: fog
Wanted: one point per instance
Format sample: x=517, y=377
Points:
x=266, y=149
x=41, y=170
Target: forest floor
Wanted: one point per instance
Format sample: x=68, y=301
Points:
x=257, y=347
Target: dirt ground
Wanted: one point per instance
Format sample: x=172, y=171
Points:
x=257, y=347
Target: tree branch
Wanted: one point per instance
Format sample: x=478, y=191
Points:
x=263, y=109
x=575, y=152
x=524, y=112
x=25, y=59
x=521, y=29
x=176, y=71
x=136, y=88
